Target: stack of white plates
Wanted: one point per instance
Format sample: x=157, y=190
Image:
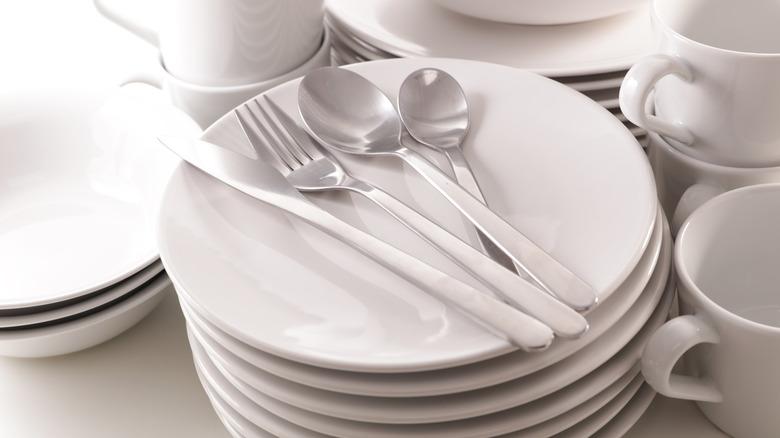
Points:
x=591, y=57
x=294, y=333
x=80, y=180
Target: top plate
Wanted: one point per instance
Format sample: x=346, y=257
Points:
x=566, y=173
x=409, y=28
x=80, y=180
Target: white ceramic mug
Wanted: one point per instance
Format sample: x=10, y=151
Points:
x=717, y=97
x=685, y=183
x=727, y=256
x=229, y=42
x=205, y=104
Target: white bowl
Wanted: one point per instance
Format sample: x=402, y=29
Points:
x=80, y=179
x=88, y=331
x=540, y=11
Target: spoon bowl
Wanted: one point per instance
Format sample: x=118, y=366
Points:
x=345, y=111
x=434, y=108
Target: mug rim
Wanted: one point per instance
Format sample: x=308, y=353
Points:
x=687, y=281
x=729, y=52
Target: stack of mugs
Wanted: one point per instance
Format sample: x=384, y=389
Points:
x=716, y=95
x=215, y=54
x=709, y=99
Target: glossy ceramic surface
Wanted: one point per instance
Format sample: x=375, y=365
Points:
x=489, y=425
x=415, y=410
x=385, y=324
x=482, y=426
x=88, y=331
x=410, y=28
x=541, y=12
x=481, y=374
x=80, y=180
x=725, y=256
x=513, y=399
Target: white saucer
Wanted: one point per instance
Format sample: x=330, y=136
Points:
x=409, y=28
x=87, y=331
x=319, y=302
x=80, y=179
x=102, y=298
x=624, y=308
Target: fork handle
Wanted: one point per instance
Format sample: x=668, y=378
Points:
x=555, y=278
x=521, y=329
x=560, y=318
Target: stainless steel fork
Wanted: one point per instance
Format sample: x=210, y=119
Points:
x=310, y=167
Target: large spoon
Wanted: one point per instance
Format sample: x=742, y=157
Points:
x=346, y=112
x=434, y=109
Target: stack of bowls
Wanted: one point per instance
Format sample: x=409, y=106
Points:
x=590, y=56
x=81, y=180
x=294, y=333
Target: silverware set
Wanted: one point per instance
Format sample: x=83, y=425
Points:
x=529, y=313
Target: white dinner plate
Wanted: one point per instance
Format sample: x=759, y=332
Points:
x=607, y=82
x=409, y=28
x=413, y=410
x=585, y=194
x=87, y=331
x=80, y=179
x=594, y=424
x=469, y=412
x=626, y=319
x=97, y=301
x=629, y=415
x=237, y=425
x=489, y=425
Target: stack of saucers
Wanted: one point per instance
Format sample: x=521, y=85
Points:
x=591, y=57
x=80, y=185
x=293, y=333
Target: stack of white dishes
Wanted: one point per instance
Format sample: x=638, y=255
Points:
x=592, y=57
x=293, y=333
x=80, y=182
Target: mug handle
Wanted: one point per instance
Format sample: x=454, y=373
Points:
x=639, y=84
x=666, y=346
x=693, y=198
x=141, y=30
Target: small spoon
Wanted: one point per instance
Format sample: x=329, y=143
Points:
x=346, y=112
x=434, y=109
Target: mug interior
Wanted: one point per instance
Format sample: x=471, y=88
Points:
x=742, y=26
x=730, y=249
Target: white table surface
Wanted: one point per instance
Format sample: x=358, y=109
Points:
x=141, y=384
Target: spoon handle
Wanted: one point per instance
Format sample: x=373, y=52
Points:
x=525, y=296
x=555, y=278
x=465, y=177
